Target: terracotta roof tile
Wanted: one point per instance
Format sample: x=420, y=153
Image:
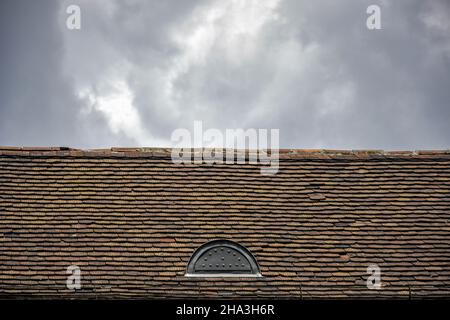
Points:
x=130, y=219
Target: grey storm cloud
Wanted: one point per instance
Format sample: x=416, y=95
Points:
x=137, y=70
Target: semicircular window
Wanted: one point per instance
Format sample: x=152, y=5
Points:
x=222, y=258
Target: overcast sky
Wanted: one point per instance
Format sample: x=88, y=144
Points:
x=137, y=70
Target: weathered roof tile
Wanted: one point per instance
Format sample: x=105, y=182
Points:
x=130, y=219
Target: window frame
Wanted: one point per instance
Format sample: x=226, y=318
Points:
x=255, y=270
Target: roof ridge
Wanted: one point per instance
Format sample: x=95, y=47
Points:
x=166, y=152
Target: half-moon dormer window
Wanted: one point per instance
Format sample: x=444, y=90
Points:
x=220, y=258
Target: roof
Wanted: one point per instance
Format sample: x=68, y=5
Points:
x=131, y=219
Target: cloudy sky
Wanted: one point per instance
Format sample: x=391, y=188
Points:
x=137, y=70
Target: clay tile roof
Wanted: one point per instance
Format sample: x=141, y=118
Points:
x=131, y=219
